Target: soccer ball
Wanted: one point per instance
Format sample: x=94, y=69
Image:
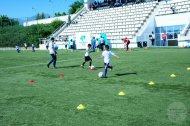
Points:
x=92, y=67
x=100, y=74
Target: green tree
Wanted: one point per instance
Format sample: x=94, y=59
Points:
x=63, y=14
x=17, y=34
x=59, y=14
x=6, y=21
x=77, y=5
x=40, y=16
x=57, y=23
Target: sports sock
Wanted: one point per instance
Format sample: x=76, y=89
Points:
x=105, y=72
x=83, y=63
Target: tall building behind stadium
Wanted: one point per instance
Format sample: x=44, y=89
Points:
x=117, y=19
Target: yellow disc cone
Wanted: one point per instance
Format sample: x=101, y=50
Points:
x=151, y=83
x=173, y=75
x=121, y=93
x=81, y=107
x=188, y=68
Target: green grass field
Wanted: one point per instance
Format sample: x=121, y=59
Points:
x=53, y=101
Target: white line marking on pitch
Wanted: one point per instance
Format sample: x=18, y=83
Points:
x=37, y=64
x=42, y=63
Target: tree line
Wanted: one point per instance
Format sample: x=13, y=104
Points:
x=11, y=33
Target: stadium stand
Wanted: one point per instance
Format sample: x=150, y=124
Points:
x=117, y=23
x=182, y=6
x=134, y=21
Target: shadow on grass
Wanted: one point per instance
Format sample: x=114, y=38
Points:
x=123, y=74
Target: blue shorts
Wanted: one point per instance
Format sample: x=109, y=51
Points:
x=106, y=65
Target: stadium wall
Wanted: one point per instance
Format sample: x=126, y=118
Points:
x=47, y=21
x=163, y=21
x=143, y=36
x=173, y=19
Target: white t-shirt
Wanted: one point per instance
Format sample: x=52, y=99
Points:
x=17, y=47
x=71, y=43
x=25, y=44
x=107, y=56
x=87, y=52
x=97, y=42
x=101, y=40
x=51, y=48
x=153, y=36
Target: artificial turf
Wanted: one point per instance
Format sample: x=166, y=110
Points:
x=52, y=100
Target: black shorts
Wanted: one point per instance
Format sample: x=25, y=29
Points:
x=87, y=58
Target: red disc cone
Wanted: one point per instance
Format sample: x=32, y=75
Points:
x=31, y=81
x=62, y=75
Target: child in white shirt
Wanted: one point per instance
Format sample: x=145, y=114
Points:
x=107, y=57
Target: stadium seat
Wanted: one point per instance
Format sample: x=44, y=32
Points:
x=115, y=22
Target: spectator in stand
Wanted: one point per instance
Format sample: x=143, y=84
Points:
x=109, y=2
x=117, y=3
x=95, y=5
x=138, y=1
x=69, y=20
x=91, y=6
x=173, y=8
x=152, y=38
x=164, y=37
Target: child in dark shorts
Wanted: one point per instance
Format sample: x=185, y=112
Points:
x=87, y=57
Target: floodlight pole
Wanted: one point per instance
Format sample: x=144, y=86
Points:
x=36, y=12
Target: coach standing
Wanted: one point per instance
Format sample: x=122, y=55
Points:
x=52, y=53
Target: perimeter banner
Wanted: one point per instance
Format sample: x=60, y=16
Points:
x=83, y=39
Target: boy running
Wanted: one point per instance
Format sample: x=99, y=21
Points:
x=87, y=57
x=107, y=57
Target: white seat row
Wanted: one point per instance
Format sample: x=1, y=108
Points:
x=181, y=7
x=115, y=22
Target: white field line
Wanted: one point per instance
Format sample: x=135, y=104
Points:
x=47, y=62
x=37, y=64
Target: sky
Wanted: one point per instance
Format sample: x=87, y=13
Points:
x=29, y=8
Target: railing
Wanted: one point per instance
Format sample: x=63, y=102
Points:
x=62, y=27
x=186, y=28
